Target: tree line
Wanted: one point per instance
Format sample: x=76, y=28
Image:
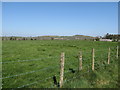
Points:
x=114, y=37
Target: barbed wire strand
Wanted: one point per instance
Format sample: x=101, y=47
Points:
x=43, y=69
x=43, y=58
x=76, y=76
x=53, y=57
x=39, y=81
x=31, y=72
x=26, y=60
x=34, y=82
x=28, y=72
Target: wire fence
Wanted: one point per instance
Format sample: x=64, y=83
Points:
x=39, y=81
x=29, y=72
x=46, y=58
x=113, y=54
x=38, y=59
x=76, y=77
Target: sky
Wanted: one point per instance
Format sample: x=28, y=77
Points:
x=59, y=18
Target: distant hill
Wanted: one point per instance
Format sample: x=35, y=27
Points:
x=78, y=37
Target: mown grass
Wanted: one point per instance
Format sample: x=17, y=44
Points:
x=47, y=53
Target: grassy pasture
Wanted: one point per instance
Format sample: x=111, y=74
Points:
x=28, y=64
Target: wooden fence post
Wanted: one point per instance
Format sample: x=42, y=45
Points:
x=109, y=56
x=80, y=61
x=62, y=68
x=117, y=52
x=93, y=55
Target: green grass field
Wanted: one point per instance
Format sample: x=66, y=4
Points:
x=32, y=64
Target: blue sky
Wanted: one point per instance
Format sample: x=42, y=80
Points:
x=59, y=18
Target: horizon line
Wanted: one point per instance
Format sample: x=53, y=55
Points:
x=52, y=35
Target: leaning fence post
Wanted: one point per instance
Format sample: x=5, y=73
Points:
x=93, y=55
x=109, y=55
x=62, y=68
x=117, y=52
x=80, y=61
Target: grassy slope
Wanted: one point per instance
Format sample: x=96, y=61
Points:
x=48, y=54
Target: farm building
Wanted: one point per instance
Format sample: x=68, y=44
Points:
x=106, y=40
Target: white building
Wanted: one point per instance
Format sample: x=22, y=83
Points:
x=106, y=40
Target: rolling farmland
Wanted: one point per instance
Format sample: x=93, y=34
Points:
x=36, y=64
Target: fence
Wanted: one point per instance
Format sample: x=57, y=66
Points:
x=57, y=80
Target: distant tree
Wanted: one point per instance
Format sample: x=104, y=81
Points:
x=114, y=37
x=52, y=38
x=107, y=36
x=100, y=36
x=14, y=38
x=11, y=38
x=31, y=38
x=97, y=38
x=2, y=38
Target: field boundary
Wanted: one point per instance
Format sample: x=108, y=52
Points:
x=62, y=64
